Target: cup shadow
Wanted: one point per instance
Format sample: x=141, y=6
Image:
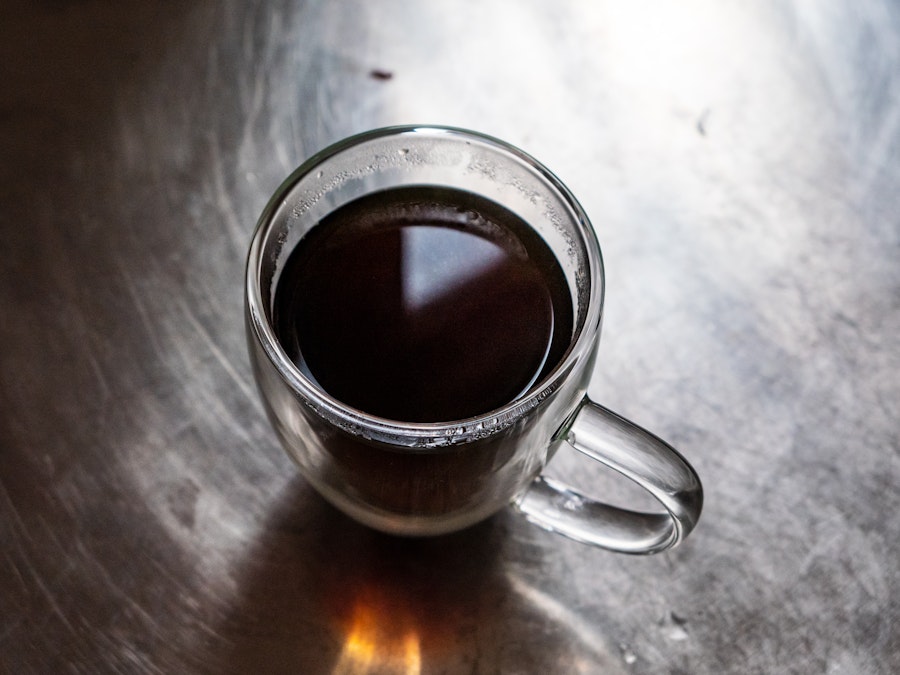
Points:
x=319, y=593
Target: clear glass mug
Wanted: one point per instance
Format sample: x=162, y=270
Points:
x=428, y=479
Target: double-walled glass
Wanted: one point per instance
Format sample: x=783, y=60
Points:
x=424, y=479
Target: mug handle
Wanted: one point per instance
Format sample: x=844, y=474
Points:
x=637, y=454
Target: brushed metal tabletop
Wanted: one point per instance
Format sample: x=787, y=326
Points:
x=741, y=164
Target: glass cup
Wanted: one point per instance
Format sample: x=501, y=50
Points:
x=433, y=478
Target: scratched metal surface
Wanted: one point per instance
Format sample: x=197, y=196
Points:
x=741, y=162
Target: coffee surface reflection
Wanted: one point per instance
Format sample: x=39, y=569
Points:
x=423, y=304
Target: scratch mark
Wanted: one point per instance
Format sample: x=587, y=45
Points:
x=54, y=604
x=298, y=148
x=210, y=400
x=44, y=589
x=876, y=156
x=224, y=361
x=139, y=304
x=212, y=66
x=99, y=376
x=223, y=197
x=247, y=40
x=555, y=610
x=216, y=406
x=110, y=582
x=21, y=528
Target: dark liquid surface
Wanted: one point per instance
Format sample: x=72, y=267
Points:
x=423, y=304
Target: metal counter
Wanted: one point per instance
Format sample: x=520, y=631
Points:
x=741, y=165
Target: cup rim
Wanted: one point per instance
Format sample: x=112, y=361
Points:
x=414, y=434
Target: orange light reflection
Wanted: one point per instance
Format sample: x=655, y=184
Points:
x=378, y=642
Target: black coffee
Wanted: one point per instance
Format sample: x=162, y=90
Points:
x=423, y=304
